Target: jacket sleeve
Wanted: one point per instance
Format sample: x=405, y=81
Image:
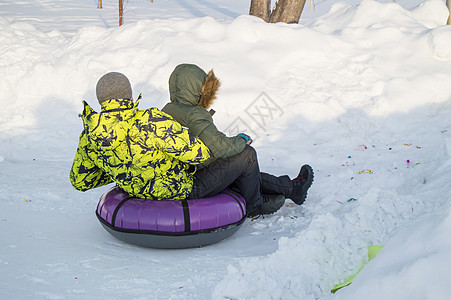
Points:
x=84, y=174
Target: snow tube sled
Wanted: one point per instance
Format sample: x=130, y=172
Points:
x=169, y=224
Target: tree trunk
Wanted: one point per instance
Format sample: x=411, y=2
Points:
x=121, y=12
x=261, y=9
x=288, y=11
x=99, y=4
x=448, y=4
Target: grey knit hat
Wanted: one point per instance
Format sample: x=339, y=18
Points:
x=113, y=85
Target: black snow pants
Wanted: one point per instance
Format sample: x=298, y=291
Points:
x=242, y=174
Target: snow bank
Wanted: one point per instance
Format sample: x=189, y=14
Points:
x=413, y=265
x=362, y=94
x=440, y=43
x=379, y=76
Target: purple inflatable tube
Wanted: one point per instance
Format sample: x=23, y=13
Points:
x=169, y=224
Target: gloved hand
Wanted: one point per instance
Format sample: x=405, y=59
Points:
x=246, y=138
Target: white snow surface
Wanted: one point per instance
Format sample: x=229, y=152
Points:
x=360, y=91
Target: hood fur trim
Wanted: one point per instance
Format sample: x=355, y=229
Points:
x=209, y=90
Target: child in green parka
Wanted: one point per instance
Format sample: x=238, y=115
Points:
x=234, y=163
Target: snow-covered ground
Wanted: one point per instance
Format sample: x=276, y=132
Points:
x=360, y=91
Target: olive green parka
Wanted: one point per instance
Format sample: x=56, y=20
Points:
x=192, y=92
x=145, y=152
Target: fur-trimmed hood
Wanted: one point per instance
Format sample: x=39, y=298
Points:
x=190, y=85
x=192, y=92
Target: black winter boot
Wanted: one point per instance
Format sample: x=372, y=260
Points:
x=254, y=211
x=301, y=184
x=271, y=204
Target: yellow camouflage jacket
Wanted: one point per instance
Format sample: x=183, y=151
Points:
x=145, y=152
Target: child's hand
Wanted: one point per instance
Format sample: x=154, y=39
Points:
x=246, y=138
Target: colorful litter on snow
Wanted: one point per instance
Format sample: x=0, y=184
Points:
x=366, y=171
